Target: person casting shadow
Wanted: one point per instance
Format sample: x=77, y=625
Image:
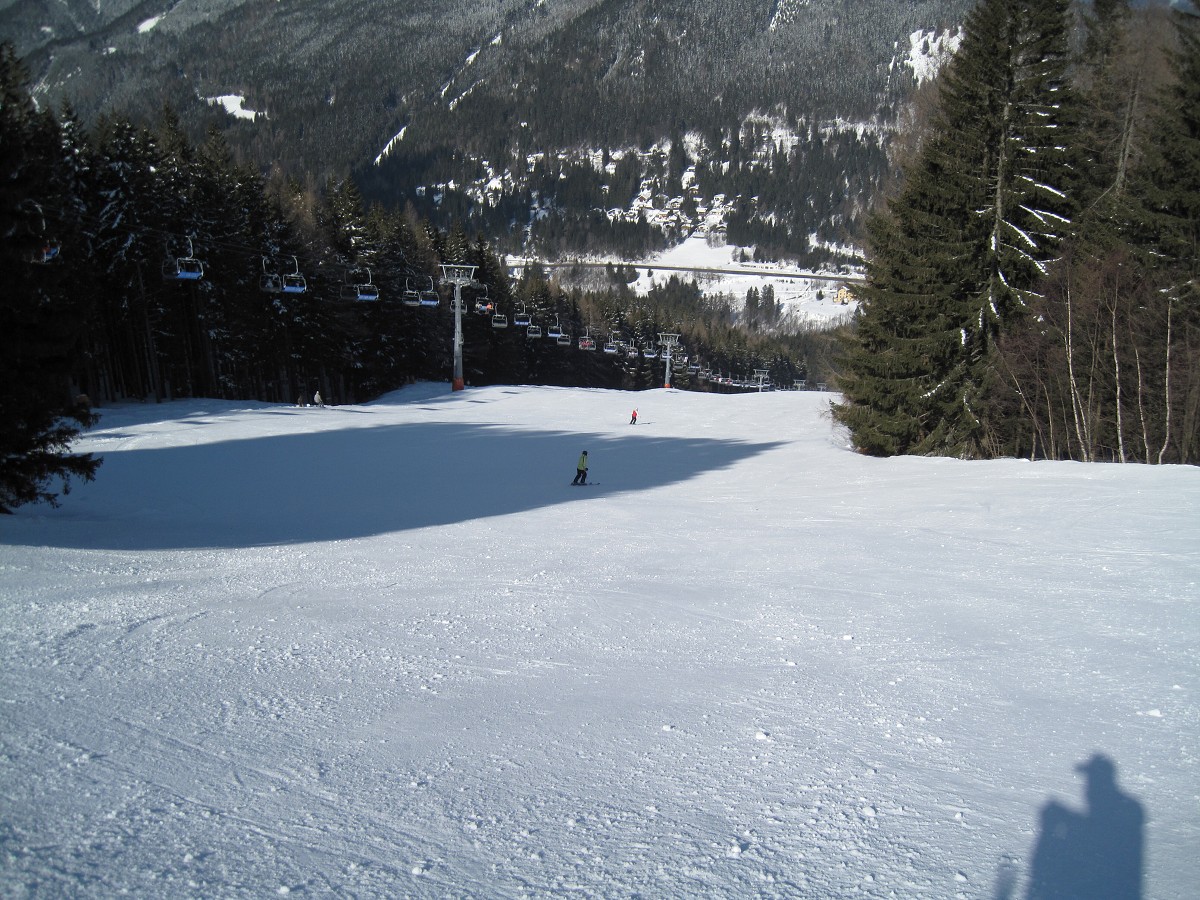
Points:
x=1095, y=854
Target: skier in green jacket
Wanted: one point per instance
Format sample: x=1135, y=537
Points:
x=581, y=469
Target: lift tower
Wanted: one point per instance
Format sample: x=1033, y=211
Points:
x=460, y=277
x=668, y=341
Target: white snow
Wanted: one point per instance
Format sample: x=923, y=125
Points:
x=809, y=299
x=148, y=24
x=235, y=105
x=386, y=650
x=390, y=145
x=929, y=52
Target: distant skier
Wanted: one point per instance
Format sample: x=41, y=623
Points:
x=581, y=469
x=317, y=401
x=633, y=418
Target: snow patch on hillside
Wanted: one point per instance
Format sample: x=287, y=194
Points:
x=785, y=13
x=235, y=105
x=929, y=51
x=810, y=300
x=390, y=145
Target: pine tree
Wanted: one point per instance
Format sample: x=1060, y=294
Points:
x=961, y=250
x=1168, y=229
x=39, y=325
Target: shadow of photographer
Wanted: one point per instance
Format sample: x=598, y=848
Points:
x=1094, y=854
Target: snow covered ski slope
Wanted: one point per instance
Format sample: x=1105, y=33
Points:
x=377, y=651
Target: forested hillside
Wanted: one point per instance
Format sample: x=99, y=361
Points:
x=614, y=125
x=1034, y=290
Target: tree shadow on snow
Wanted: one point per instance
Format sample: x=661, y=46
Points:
x=353, y=483
x=1095, y=853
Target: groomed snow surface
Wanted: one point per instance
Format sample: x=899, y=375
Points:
x=388, y=651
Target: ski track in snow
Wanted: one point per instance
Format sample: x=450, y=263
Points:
x=382, y=651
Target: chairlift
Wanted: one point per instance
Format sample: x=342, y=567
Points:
x=693, y=369
x=45, y=254
x=555, y=331
x=564, y=340
x=533, y=331
x=587, y=342
x=484, y=305
x=293, y=281
x=611, y=347
x=182, y=268
x=632, y=352
x=429, y=295
x=522, y=318
x=650, y=353
x=358, y=286
x=410, y=296
x=270, y=281
x=47, y=249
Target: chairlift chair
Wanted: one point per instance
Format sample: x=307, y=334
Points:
x=182, y=268
x=293, y=281
x=522, y=318
x=410, y=296
x=46, y=253
x=650, y=353
x=555, y=331
x=499, y=320
x=270, y=281
x=564, y=340
x=587, y=342
x=484, y=305
x=533, y=331
x=359, y=287
x=429, y=295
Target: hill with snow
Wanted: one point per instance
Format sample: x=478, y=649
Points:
x=387, y=650
x=769, y=118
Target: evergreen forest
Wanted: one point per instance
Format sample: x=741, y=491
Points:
x=1034, y=287
x=143, y=266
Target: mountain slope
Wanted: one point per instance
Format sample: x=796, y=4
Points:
x=469, y=93
x=386, y=651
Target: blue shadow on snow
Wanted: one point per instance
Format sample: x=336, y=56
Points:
x=1090, y=854
x=352, y=483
